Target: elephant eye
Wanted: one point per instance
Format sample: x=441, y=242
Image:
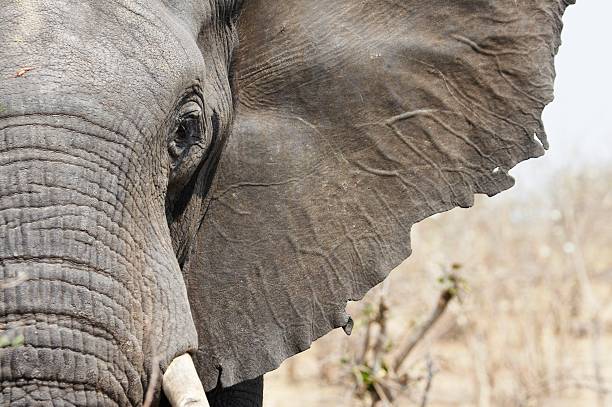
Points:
x=189, y=131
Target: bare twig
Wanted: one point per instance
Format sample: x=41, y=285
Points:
x=445, y=297
x=366, y=343
x=585, y=383
x=381, y=320
x=382, y=394
x=430, y=376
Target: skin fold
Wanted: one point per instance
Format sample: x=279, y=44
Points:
x=219, y=178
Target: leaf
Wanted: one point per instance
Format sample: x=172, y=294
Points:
x=4, y=342
x=366, y=376
x=19, y=340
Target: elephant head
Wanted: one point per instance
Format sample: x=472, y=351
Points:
x=332, y=127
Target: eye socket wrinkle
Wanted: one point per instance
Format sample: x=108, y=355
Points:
x=189, y=131
x=231, y=11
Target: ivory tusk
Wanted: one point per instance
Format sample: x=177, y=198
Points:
x=182, y=385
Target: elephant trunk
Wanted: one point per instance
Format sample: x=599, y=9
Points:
x=73, y=348
x=76, y=323
x=88, y=295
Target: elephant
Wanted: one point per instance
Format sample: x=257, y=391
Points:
x=192, y=191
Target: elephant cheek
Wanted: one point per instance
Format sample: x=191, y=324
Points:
x=91, y=295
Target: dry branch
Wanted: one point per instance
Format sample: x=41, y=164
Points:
x=430, y=375
x=445, y=297
x=373, y=376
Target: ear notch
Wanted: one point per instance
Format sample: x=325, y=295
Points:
x=356, y=120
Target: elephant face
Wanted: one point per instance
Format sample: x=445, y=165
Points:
x=332, y=127
x=118, y=108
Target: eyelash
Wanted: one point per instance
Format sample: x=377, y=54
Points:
x=188, y=132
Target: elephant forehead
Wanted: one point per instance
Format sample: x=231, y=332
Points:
x=121, y=51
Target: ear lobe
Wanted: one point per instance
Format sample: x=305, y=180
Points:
x=356, y=120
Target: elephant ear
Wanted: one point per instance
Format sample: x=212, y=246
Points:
x=356, y=120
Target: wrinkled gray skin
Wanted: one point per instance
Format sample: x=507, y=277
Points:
x=94, y=163
x=351, y=122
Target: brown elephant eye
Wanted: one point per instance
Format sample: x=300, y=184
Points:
x=189, y=131
x=190, y=144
